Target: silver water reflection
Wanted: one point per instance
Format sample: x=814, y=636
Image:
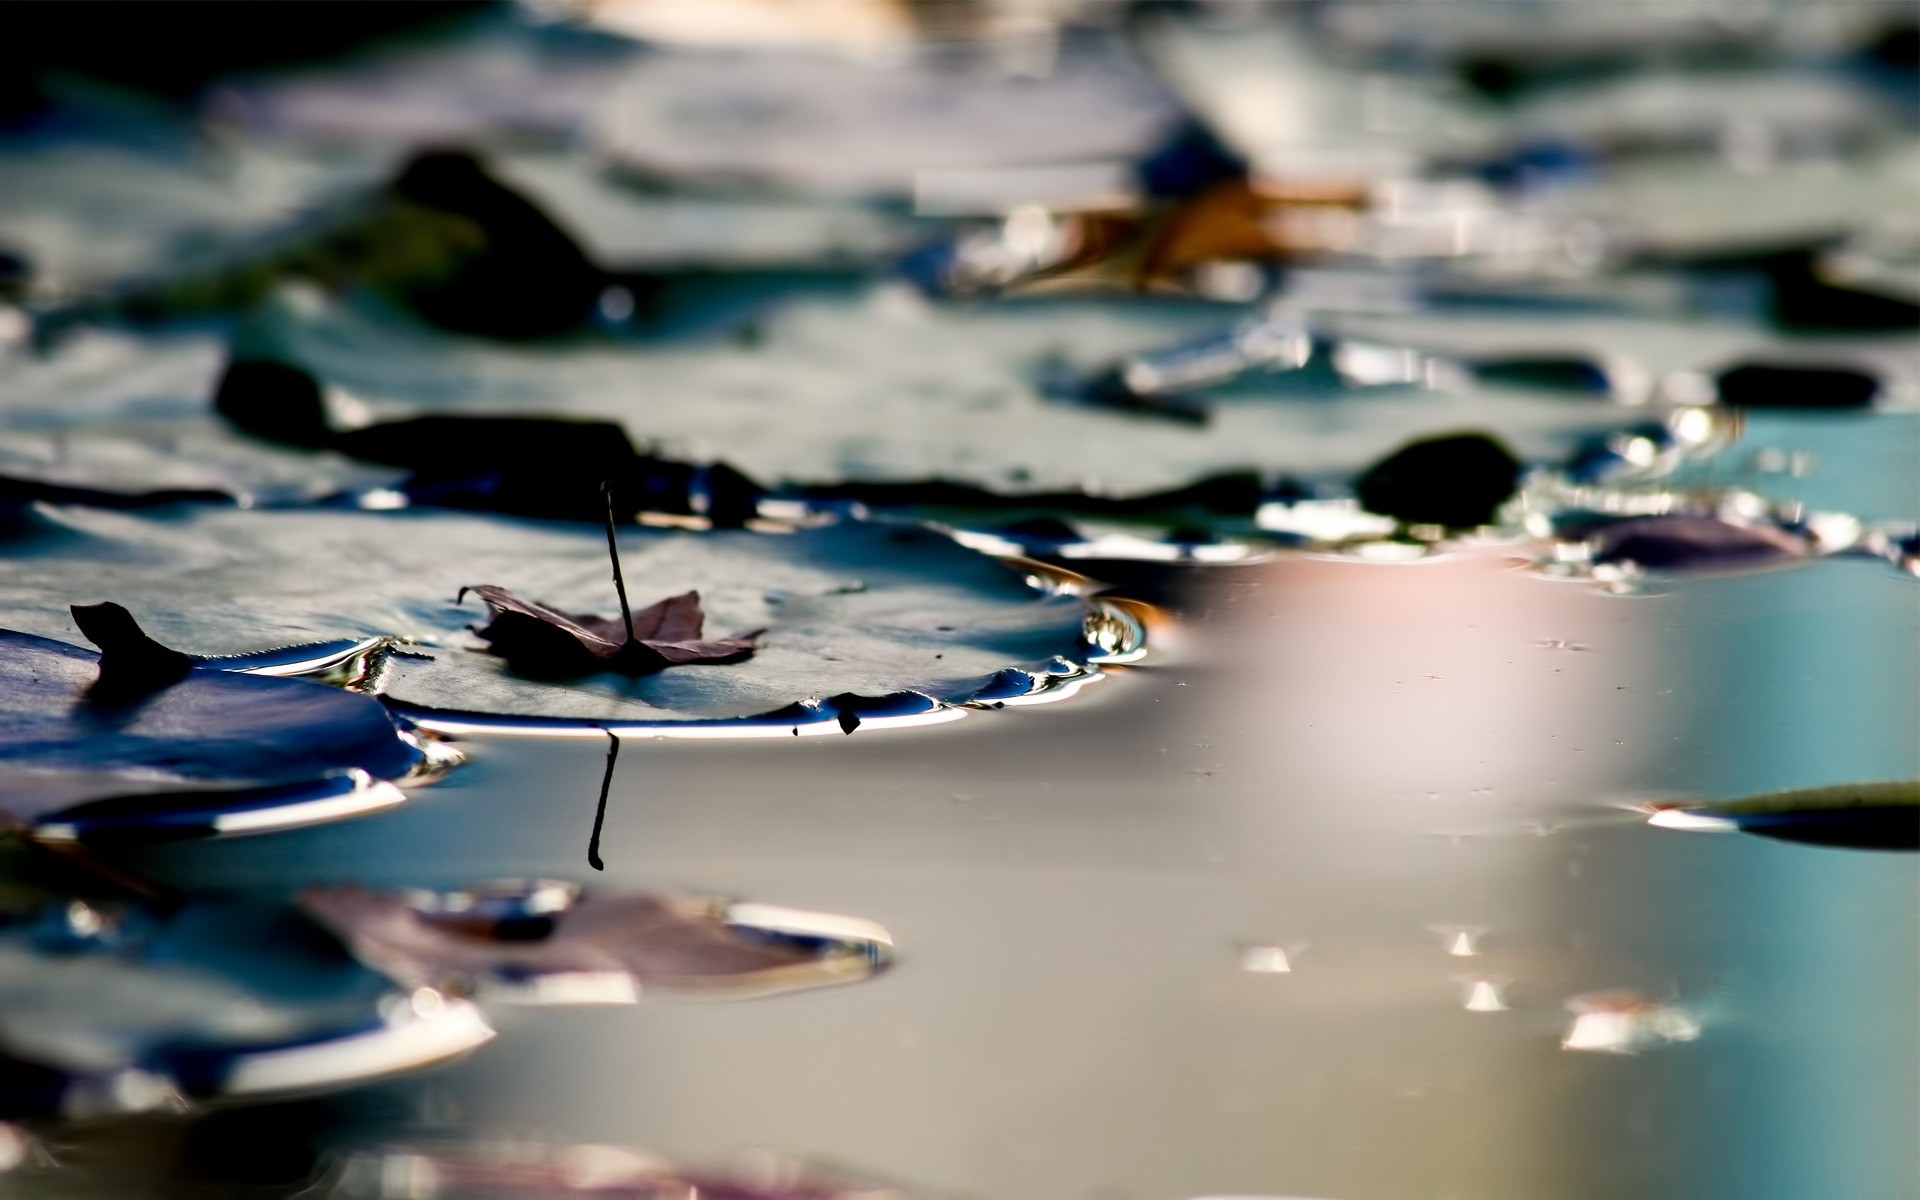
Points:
x=1199, y=931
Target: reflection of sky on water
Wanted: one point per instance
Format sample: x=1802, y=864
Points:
x=1349, y=768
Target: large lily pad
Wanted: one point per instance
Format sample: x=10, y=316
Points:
x=855, y=607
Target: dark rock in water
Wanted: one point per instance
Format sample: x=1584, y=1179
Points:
x=1682, y=542
x=1552, y=374
x=1459, y=481
x=1759, y=385
x=132, y=665
x=275, y=402
x=509, y=271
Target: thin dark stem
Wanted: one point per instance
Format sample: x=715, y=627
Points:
x=600, y=813
x=613, y=552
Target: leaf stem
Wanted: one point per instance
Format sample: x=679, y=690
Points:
x=600, y=813
x=613, y=552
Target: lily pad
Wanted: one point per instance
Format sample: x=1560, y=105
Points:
x=108, y=809
x=884, y=387
x=131, y=416
x=867, y=608
x=117, y=1008
x=212, y=724
x=824, y=125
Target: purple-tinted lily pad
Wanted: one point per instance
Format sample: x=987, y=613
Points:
x=1686, y=542
x=211, y=724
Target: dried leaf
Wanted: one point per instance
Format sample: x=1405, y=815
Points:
x=548, y=644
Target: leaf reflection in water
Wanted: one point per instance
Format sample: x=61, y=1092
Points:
x=545, y=942
x=513, y=1168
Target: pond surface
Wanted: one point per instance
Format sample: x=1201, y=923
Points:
x=1203, y=929
x=1380, y=874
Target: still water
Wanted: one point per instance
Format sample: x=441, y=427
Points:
x=1340, y=894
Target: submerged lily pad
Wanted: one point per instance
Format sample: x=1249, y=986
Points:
x=108, y=1007
x=867, y=608
x=104, y=809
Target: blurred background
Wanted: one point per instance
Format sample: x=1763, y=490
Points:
x=1344, y=888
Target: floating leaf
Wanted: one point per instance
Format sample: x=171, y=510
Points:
x=546, y=942
x=537, y=641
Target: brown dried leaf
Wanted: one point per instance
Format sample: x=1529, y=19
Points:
x=546, y=643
